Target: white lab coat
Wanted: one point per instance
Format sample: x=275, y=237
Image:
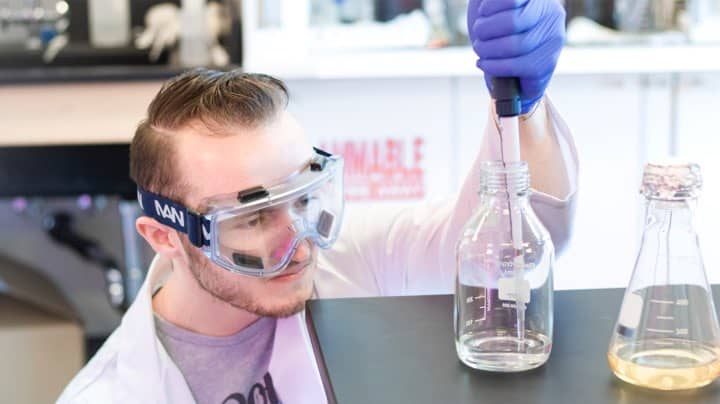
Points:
x=379, y=252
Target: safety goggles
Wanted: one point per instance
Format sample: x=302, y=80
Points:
x=256, y=231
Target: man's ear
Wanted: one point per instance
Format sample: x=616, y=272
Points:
x=163, y=239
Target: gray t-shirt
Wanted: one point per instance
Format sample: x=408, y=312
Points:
x=224, y=370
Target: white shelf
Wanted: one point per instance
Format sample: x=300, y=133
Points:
x=640, y=59
x=452, y=62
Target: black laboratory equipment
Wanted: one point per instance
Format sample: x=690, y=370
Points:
x=68, y=211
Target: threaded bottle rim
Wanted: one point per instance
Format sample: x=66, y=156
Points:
x=498, y=176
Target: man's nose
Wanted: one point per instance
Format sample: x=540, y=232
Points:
x=284, y=238
x=284, y=219
x=303, y=252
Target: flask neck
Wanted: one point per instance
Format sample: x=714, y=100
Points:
x=669, y=216
x=669, y=252
x=669, y=237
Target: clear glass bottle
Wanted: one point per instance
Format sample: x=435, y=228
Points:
x=194, y=47
x=666, y=336
x=504, y=286
x=109, y=23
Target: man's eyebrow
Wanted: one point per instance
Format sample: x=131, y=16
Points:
x=302, y=168
x=202, y=206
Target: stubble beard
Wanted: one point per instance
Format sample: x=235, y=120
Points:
x=205, y=273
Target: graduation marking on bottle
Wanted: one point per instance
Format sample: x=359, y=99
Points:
x=471, y=300
x=660, y=331
x=665, y=304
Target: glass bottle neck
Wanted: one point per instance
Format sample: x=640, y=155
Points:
x=505, y=195
x=504, y=180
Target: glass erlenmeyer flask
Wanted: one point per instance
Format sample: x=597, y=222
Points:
x=666, y=336
x=504, y=287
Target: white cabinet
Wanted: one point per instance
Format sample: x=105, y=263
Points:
x=603, y=114
x=698, y=140
x=471, y=117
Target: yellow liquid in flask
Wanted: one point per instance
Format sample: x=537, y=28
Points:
x=665, y=365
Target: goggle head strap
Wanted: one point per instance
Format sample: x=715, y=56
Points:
x=175, y=215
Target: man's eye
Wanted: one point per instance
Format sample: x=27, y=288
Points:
x=249, y=222
x=304, y=201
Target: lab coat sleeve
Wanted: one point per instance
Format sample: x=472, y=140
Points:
x=411, y=250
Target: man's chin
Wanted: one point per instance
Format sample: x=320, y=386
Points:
x=279, y=305
x=289, y=310
x=281, y=310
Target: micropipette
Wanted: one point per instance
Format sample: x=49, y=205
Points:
x=506, y=92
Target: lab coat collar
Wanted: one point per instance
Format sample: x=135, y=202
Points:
x=146, y=373
x=145, y=370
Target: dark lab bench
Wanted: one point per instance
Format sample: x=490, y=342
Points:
x=401, y=350
x=80, y=74
x=66, y=170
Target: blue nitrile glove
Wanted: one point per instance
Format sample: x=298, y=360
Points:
x=518, y=38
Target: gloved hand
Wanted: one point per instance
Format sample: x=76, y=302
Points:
x=518, y=38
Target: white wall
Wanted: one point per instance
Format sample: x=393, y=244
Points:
x=698, y=138
x=407, y=123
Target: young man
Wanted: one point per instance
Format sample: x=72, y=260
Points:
x=238, y=202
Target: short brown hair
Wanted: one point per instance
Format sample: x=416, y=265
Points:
x=216, y=99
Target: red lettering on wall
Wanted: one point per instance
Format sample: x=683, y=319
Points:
x=388, y=169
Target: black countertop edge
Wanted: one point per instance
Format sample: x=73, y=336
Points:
x=80, y=74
